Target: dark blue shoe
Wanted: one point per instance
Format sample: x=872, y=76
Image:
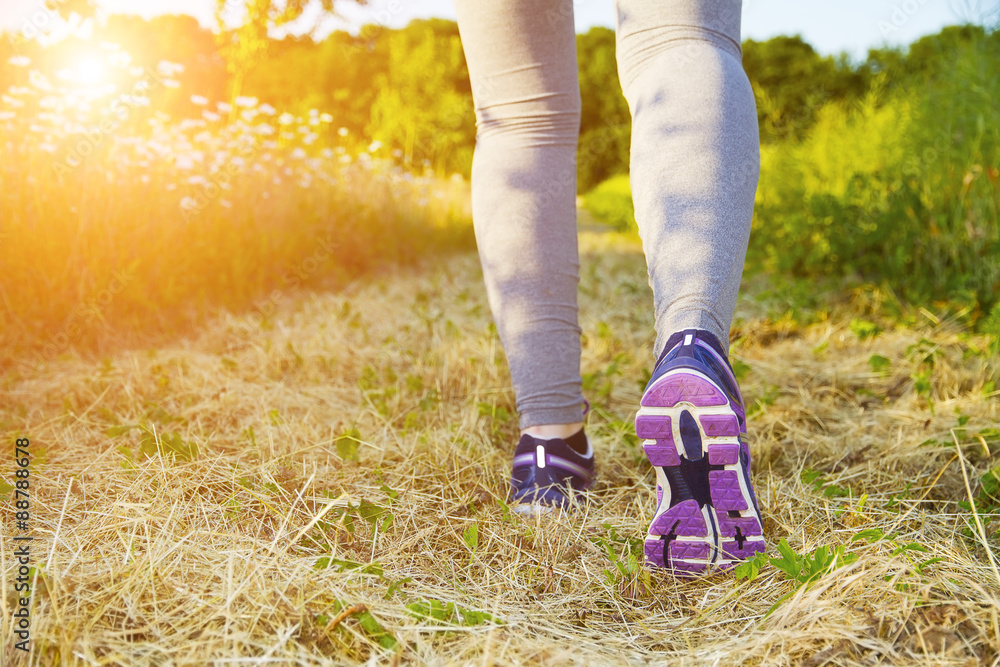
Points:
x=548, y=474
x=693, y=424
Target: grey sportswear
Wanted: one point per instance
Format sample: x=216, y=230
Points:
x=695, y=159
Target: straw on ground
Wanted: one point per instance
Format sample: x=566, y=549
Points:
x=326, y=485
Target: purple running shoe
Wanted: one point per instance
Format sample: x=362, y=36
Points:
x=547, y=474
x=693, y=424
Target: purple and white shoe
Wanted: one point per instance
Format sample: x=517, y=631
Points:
x=693, y=424
x=547, y=474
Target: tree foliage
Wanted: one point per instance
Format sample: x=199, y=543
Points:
x=408, y=88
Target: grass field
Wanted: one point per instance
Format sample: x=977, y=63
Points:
x=325, y=485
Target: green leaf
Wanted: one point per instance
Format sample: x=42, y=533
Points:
x=396, y=586
x=789, y=562
x=809, y=476
x=374, y=629
x=913, y=546
x=348, y=444
x=919, y=567
x=326, y=562
x=434, y=610
x=471, y=536
x=750, y=568
x=366, y=621
x=449, y=613
x=116, y=431
x=870, y=535
x=392, y=494
x=864, y=329
x=878, y=363
x=371, y=512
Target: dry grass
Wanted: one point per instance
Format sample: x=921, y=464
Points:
x=171, y=561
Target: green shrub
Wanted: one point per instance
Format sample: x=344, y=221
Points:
x=902, y=188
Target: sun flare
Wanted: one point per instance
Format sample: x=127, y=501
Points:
x=91, y=70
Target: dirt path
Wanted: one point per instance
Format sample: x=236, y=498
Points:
x=211, y=555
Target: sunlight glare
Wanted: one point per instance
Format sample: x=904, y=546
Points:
x=91, y=70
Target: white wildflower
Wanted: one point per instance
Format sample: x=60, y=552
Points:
x=171, y=83
x=210, y=116
x=267, y=109
x=166, y=68
x=374, y=146
x=225, y=203
x=246, y=102
x=326, y=118
x=19, y=61
x=342, y=131
x=39, y=80
x=199, y=100
x=286, y=118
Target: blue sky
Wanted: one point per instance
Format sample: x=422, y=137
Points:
x=830, y=26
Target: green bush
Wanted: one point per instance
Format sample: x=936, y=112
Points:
x=901, y=188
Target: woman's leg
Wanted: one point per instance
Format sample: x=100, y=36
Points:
x=694, y=164
x=522, y=65
x=695, y=155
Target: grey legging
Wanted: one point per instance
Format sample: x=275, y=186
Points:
x=695, y=159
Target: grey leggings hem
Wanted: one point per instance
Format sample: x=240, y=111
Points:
x=695, y=160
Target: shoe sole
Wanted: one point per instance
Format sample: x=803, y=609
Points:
x=688, y=538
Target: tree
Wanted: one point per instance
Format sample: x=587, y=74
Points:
x=792, y=82
x=424, y=103
x=244, y=47
x=605, y=122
